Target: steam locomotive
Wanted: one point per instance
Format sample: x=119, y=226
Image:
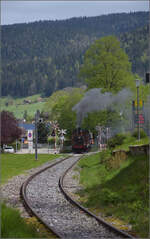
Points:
x=81, y=140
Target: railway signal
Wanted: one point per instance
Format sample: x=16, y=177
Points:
x=55, y=128
x=62, y=132
x=103, y=136
x=37, y=114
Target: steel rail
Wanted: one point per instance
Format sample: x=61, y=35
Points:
x=25, y=201
x=99, y=219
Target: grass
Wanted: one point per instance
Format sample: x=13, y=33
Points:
x=15, y=164
x=18, y=107
x=122, y=193
x=11, y=217
x=130, y=140
x=18, y=111
x=19, y=100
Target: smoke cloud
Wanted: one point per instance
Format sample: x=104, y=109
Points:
x=95, y=100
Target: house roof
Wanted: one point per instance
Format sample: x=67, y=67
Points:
x=27, y=126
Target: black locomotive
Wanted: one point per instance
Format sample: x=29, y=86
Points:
x=81, y=140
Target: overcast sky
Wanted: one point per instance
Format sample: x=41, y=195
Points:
x=29, y=11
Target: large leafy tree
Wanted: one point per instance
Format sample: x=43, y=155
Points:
x=106, y=66
x=56, y=99
x=62, y=108
x=9, y=128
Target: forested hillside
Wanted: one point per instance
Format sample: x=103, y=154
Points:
x=45, y=56
x=136, y=45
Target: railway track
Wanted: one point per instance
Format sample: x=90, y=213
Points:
x=45, y=196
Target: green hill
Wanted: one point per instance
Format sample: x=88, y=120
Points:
x=44, y=56
x=20, y=106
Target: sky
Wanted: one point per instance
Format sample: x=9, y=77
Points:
x=30, y=11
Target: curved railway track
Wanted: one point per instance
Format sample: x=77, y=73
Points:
x=45, y=196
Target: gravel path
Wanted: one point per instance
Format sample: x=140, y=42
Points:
x=47, y=201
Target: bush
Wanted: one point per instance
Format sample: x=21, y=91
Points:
x=14, y=145
x=66, y=150
x=116, y=140
x=142, y=133
x=67, y=143
x=51, y=140
x=108, y=196
x=14, y=226
x=104, y=155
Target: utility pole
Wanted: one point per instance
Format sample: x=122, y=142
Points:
x=36, y=134
x=138, y=118
x=107, y=135
x=99, y=129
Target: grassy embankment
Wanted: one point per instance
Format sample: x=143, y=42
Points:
x=121, y=194
x=12, y=224
x=18, y=107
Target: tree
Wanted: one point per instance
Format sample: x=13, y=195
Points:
x=106, y=66
x=62, y=109
x=43, y=131
x=56, y=98
x=104, y=118
x=9, y=128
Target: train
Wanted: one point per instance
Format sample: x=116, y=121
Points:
x=81, y=140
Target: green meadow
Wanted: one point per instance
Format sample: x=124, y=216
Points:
x=15, y=164
x=18, y=107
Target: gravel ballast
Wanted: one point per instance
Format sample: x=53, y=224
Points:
x=10, y=191
x=48, y=202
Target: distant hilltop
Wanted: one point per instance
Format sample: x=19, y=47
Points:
x=45, y=56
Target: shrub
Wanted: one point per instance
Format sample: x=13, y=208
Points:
x=66, y=150
x=14, y=145
x=142, y=133
x=14, y=226
x=108, y=196
x=67, y=143
x=116, y=140
x=51, y=140
x=104, y=155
